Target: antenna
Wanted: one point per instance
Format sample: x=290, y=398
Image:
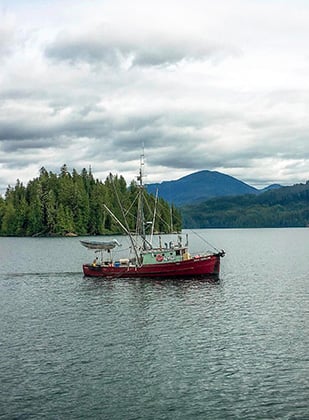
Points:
x=141, y=169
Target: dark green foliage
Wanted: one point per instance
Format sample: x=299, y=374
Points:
x=70, y=202
x=282, y=207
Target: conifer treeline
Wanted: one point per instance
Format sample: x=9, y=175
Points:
x=56, y=204
x=282, y=207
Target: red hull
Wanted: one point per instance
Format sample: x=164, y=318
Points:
x=194, y=267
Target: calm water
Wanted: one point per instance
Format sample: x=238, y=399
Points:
x=76, y=348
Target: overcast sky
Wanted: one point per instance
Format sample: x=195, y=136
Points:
x=220, y=85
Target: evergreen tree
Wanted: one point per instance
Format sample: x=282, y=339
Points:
x=57, y=204
x=8, y=225
x=35, y=208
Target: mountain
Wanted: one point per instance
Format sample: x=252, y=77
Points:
x=277, y=207
x=270, y=187
x=200, y=186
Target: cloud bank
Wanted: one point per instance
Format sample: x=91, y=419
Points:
x=219, y=86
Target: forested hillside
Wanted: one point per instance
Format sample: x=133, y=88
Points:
x=282, y=207
x=56, y=204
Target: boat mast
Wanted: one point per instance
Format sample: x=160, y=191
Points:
x=154, y=217
x=140, y=221
x=171, y=219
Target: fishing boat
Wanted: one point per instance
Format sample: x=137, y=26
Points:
x=167, y=260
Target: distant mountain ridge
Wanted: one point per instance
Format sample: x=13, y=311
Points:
x=201, y=186
x=278, y=207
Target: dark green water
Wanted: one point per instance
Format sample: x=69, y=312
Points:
x=76, y=348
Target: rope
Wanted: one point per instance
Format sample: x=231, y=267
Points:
x=204, y=240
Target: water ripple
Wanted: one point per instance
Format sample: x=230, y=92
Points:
x=77, y=348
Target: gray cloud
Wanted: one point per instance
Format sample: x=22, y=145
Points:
x=205, y=88
x=113, y=46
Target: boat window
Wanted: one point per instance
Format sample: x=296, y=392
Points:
x=178, y=252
